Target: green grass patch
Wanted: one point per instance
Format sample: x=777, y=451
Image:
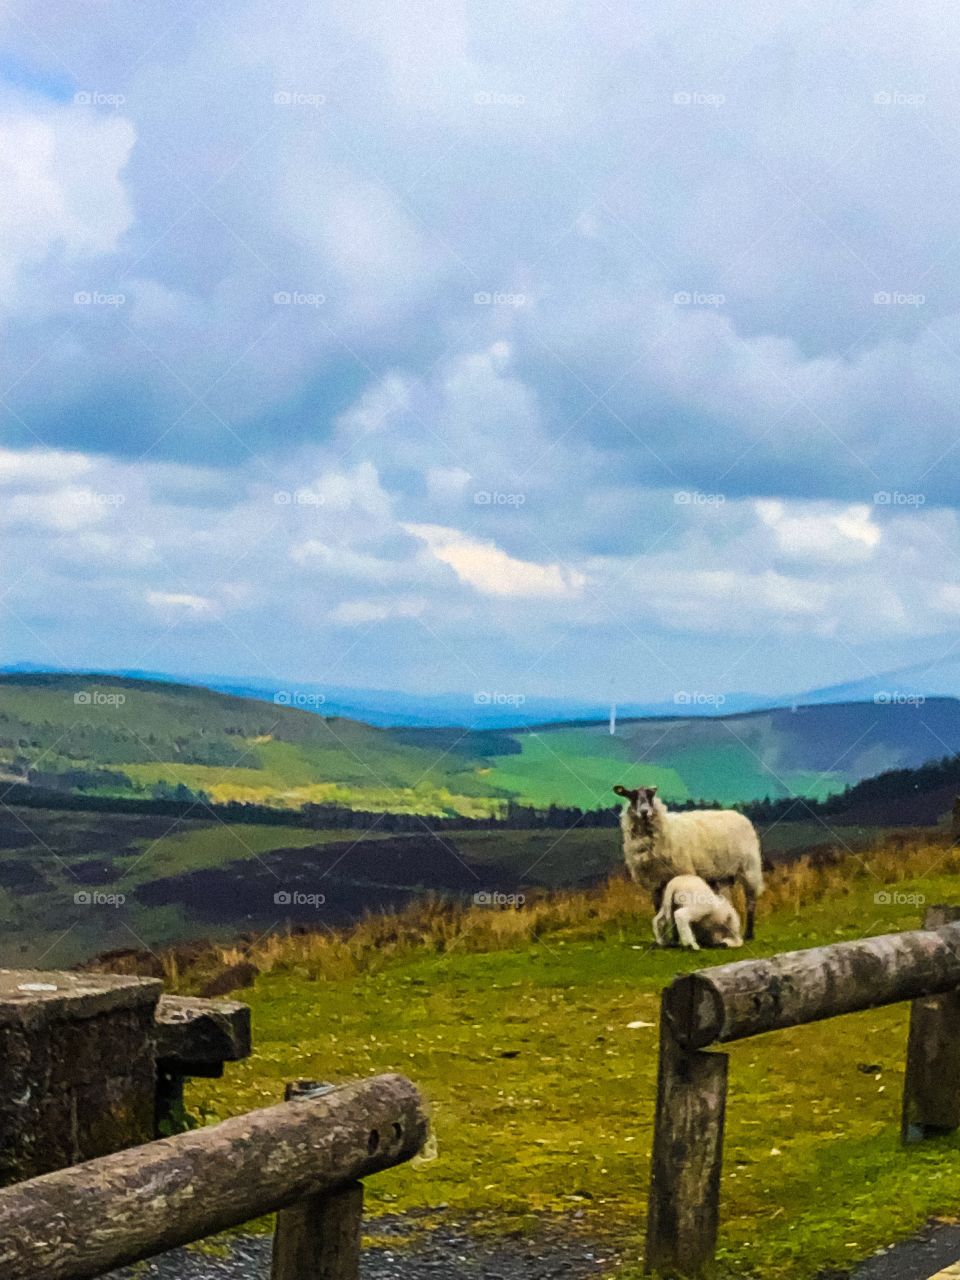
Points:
x=556, y=767
x=542, y=1094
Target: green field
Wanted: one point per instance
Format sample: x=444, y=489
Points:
x=557, y=767
x=542, y=1091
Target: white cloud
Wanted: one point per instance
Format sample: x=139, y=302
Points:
x=732, y=600
x=374, y=409
x=447, y=484
x=946, y=599
x=41, y=466
x=342, y=561
x=182, y=605
x=353, y=613
x=62, y=189
x=821, y=533
x=59, y=510
x=491, y=571
x=358, y=489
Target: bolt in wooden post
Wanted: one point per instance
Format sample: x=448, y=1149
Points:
x=684, y=1205
x=931, y=1085
x=318, y=1238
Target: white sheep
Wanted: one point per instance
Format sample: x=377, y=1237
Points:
x=720, y=845
x=689, y=901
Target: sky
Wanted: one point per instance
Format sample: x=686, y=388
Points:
x=575, y=349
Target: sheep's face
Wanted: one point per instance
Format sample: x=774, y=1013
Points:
x=639, y=801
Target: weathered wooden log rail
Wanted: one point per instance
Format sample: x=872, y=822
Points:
x=734, y=1001
x=303, y=1157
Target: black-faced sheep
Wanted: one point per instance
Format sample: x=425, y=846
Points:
x=720, y=845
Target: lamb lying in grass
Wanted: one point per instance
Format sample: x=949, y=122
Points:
x=689, y=901
x=720, y=845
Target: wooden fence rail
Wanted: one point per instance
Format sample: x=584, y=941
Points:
x=303, y=1156
x=733, y=1001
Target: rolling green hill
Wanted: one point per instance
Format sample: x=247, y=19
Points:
x=811, y=751
x=112, y=736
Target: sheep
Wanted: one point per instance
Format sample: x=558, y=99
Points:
x=689, y=901
x=720, y=845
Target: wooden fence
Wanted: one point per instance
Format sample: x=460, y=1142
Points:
x=733, y=1001
x=303, y=1158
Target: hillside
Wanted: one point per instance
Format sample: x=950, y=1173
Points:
x=534, y=1035
x=812, y=751
x=114, y=736
x=110, y=735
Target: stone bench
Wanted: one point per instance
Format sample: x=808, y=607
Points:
x=93, y=1063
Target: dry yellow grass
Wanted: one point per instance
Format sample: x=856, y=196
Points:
x=439, y=926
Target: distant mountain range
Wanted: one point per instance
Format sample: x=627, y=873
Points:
x=124, y=736
x=387, y=708
x=505, y=708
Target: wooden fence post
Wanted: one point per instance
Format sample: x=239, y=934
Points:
x=684, y=1205
x=318, y=1238
x=931, y=1085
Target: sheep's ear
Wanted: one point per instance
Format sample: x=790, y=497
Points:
x=622, y=791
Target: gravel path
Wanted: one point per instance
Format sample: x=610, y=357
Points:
x=446, y=1253
x=449, y=1253
x=918, y=1258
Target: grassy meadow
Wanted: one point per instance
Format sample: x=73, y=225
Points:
x=533, y=1035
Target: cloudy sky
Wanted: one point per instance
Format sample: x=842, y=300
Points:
x=584, y=349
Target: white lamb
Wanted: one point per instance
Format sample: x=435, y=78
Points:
x=689, y=901
x=720, y=845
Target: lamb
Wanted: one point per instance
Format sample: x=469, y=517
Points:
x=720, y=845
x=689, y=901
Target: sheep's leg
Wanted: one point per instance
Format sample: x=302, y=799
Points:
x=682, y=919
x=662, y=928
x=751, y=911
